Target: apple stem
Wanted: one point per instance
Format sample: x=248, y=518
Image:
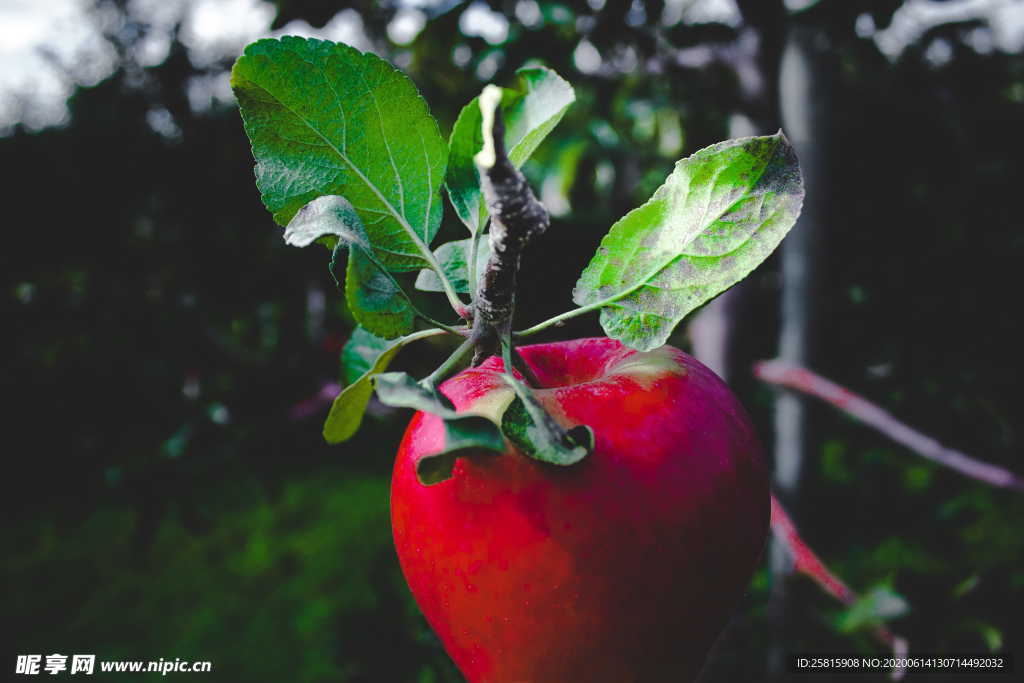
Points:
x=516, y=218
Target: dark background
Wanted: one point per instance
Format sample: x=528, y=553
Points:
x=162, y=498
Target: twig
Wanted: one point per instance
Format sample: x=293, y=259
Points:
x=807, y=562
x=804, y=559
x=803, y=380
x=516, y=218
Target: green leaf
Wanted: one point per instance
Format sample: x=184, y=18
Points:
x=530, y=113
x=875, y=607
x=993, y=637
x=399, y=390
x=359, y=354
x=532, y=429
x=348, y=408
x=327, y=216
x=464, y=434
x=326, y=119
x=376, y=300
x=453, y=257
x=991, y=634
x=966, y=586
x=719, y=214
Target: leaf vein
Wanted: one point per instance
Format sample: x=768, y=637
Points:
x=359, y=173
x=387, y=144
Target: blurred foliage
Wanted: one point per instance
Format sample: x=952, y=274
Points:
x=161, y=502
x=307, y=571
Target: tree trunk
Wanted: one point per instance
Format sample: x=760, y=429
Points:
x=803, y=104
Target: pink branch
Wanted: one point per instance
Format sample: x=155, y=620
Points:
x=315, y=403
x=807, y=562
x=804, y=559
x=792, y=376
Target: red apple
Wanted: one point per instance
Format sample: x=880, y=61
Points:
x=623, y=567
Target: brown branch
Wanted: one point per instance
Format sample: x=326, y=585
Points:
x=808, y=563
x=801, y=379
x=516, y=218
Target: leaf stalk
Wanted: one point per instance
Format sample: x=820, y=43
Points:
x=445, y=369
x=561, y=317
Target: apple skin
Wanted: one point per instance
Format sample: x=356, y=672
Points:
x=623, y=567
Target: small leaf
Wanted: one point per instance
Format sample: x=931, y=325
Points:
x=399, y=390
x=991, y=634
x=532, y=429
x=376, y=300
x=326, y=119
x=966, y=586
x=348, y=408
x=720, y=213
x=327, y=216
x=453, y=257
x=878, y=605
x=359, y=354
x=530, y=113
x=464, y=434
